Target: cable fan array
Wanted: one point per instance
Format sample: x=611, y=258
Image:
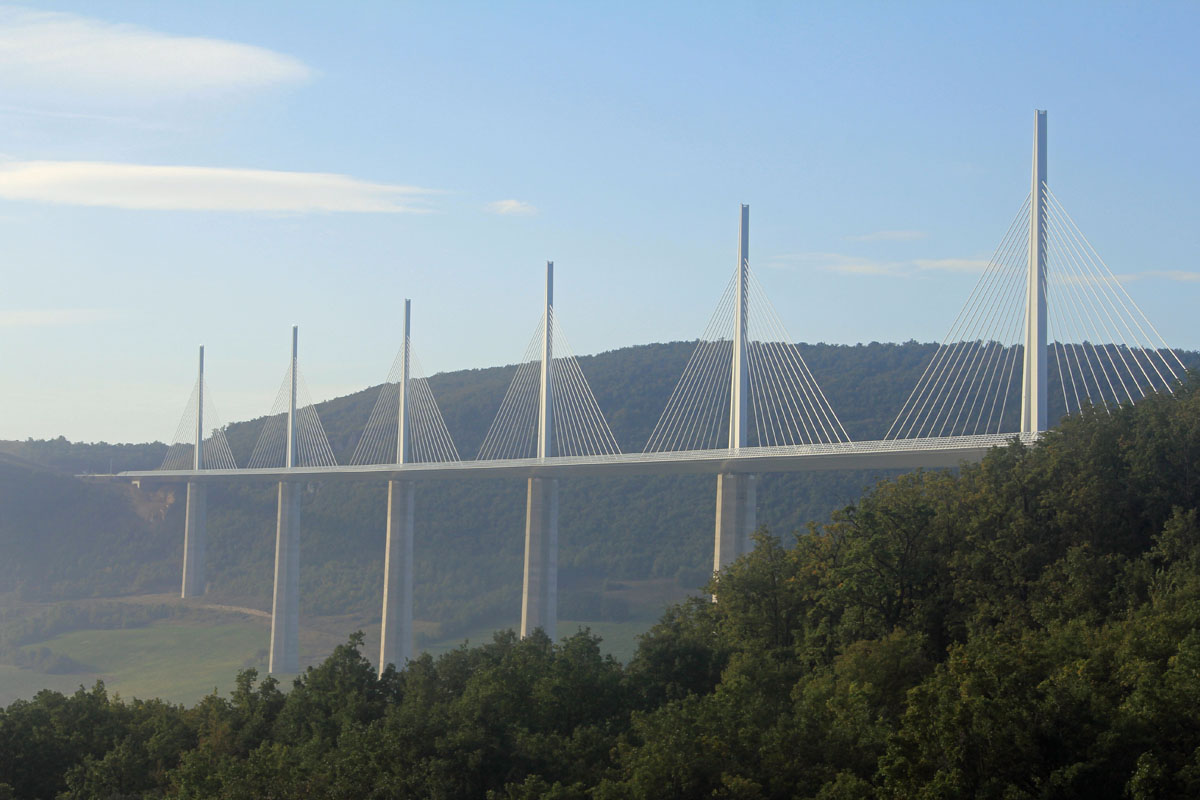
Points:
x=1102, y=348
x=1102, y=351
x=215, y=449
x=312, y=446
x=1140, y=364
x=428, y=437
x=787, y=406
x=578, y=427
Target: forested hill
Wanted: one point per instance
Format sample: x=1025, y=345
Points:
x=1028, y=627
x=866, y=384
x=469, y=540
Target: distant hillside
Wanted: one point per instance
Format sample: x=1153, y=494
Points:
x=78, y=458
x=65, y=538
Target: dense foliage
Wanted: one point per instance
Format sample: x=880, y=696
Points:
x=1028, y=627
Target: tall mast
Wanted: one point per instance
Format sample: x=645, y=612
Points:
x=198, y=454
x=1035, y=386
x=740, y=386
x=402, y=440
x=545, y=423
x=291, y=420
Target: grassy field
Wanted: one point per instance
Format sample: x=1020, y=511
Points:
x=175, y=661
x=183, y=660
x=22, y=684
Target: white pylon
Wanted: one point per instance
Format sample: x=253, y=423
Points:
x=1034, y=384
x=546, y=394
x=740, y=377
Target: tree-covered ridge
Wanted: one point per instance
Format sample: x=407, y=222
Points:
x=1028, y=627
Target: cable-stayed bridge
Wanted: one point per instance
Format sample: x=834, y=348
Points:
x=1046, y=317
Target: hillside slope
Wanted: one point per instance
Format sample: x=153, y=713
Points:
x=64, y=537
x=469, y=534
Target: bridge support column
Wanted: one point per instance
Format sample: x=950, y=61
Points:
x=736, y=517
x=1035, y=385
x=539, y=598
x=194, y=536
x=395, y=639
x=195, y=512
x=285, y=610
x=736, y=492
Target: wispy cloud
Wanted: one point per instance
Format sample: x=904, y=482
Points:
x=1179, y=275
x=862, y=266
x=889, y=236
x=73, y=116
x=68, y=52
x=951, y=264
x=836, y=262
x=858, y=265
x=511, y=208
x=47, y=317
x=183, y=188
x=1070, y=279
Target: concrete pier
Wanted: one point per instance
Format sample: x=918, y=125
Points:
x=395, y=645
x=539, y=593
x=736, y=499
x=194, y=536
x=285, y=610
x=539, y=596
x=196, y=511
x=736, y=515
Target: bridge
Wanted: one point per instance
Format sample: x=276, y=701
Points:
x=1047, y=315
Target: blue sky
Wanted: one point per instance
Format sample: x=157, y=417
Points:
x=212, y=173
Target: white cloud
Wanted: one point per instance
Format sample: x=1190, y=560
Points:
x=862, y=266
x=838, y=262
x=139, y=186
x=73, y=116
x=858, y=265
x=66, y=52
x=1068, y=279
x=889, y=236
x=511, y=208
x=1182, y=276
x=46, y=317
x=951, y=264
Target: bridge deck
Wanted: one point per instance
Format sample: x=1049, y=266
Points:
x=930, y=453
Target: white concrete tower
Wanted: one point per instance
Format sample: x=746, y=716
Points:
x=402, y=433
x=1034, y=384
x=395, y=639
x=546, y=393
x=290, y=458
x=194, y=532
x=739, y=389
x=539, y=595
x=736, y=493
x=285, y=608
x=198, y=453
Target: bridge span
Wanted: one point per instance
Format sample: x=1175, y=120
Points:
x=927, y=453
x=746, y=404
